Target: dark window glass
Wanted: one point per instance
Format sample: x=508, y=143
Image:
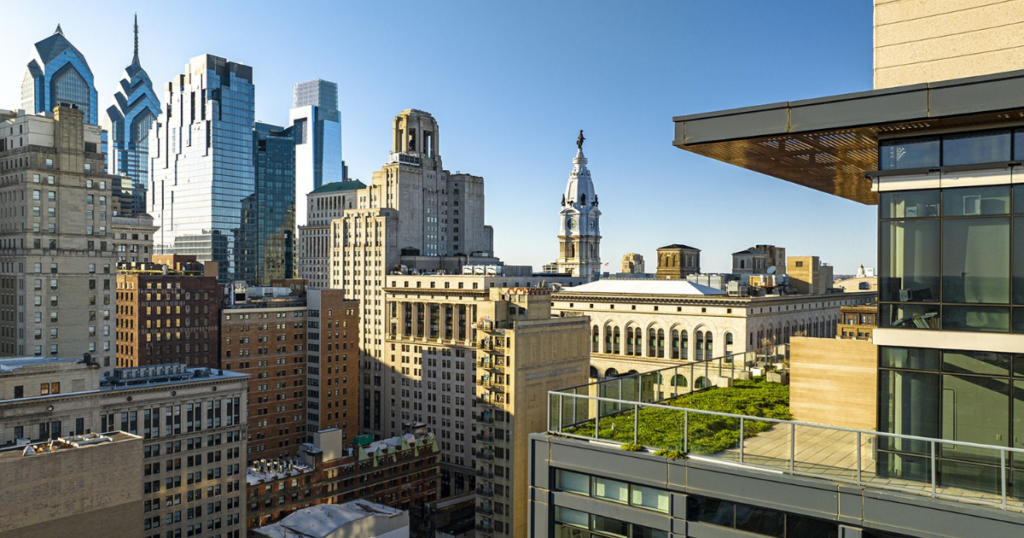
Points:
x=975, y=409
x=610, y=526
x=909, y=403
x=640, y=531
x=562, y=531
x=976, y=362
x=976, y=260
x=760, y=520
x=1018, y=195
x=1018, y=144
x=909, y=358
x=910, y=204
x=910, y=260
x=797, y=526
x=1018, y=321
x=972, y=201
x=919, y=153
x=707, y=510
x=975, y=148
x=910, y=316
x=1018, y=259
x=969, y=475
x=976, y=318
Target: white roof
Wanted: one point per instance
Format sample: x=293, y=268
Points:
x=324, y=520
x=648, y=286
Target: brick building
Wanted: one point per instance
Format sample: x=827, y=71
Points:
x=167, y=313
x=265, y=336
x=333, y=371
x=399, y=472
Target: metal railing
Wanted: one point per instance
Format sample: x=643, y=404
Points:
x=979, y=474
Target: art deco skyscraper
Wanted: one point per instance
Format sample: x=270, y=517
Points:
x=127, y=121
x=58, y=73
x=201, y=158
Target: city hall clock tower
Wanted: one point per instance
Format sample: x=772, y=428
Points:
x=579, y=238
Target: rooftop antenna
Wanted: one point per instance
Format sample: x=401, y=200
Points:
x=135, y=59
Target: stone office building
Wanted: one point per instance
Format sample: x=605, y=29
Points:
x=56, y=250
x=192, y=423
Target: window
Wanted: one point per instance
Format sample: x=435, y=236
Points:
x=974, y=148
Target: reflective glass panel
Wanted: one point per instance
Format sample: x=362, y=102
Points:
x=574, y=482
x=760, y=520
x=571, y=517
x=610, y=526
x=612, y=490
x=910, y=260
x=909, y=404
x=651, y=498
x=994, y=200
x=1018, y=258
x=975, y=148
x=976, y=260
x=975, y=409
x=919, y=153
x=909, y=358
x=910, y=204
x=976, y=362
x=976, y=318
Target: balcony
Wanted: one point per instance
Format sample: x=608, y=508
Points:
x=484, y=473
x=485, y=419
x=839, y=455
x=485, y=455
x=485, y=492
x=494, y=363
x=484, y=510
x=484, y=438
x=485, y=529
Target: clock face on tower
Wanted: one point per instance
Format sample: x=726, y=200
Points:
x=571, y=224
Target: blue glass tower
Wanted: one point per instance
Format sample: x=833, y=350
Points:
x=317, y=124
x=201, y=163
x=58, y=73
x=128, y=120
x=266, y=240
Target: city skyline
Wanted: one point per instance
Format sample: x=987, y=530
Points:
x=534, y=88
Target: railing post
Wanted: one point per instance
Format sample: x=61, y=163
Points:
x=1002, y=475
x=934, y=466
x=858, y=458
x=741, y=439
x=636, y=424
x=686, y=431
x=561, y=406
x=792, y=447
x=597, y=420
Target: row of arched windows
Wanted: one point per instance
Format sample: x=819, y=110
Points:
x=654, y=344
x=632, y=342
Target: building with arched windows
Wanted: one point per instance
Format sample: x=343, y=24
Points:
x=58, y=73
x=642, y=325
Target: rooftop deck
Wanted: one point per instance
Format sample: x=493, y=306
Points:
x=641, y=407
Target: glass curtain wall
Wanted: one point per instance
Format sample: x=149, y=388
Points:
x=953, y=259
x=970, y=396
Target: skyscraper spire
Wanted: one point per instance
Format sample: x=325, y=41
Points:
x=58, y=30
x=135, y=59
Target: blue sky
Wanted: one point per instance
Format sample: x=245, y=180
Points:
x=511, y=84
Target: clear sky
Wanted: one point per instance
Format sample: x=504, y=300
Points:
x=512, y=83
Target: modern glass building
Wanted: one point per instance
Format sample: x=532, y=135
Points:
x=266, y=240
x=317, y=124
x=58, y=73
x=201, y=162
x=127, y=121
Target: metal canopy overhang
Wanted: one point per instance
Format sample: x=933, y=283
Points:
x=829, y=144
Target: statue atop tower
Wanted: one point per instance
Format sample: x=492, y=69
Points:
x=579, y=236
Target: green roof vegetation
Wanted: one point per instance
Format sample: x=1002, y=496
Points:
x=663, y=428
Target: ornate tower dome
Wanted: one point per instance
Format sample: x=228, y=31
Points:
x=579, y=237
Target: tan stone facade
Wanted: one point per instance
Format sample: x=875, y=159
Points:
x=808, y=275
x=646, y=331
x=928, y=41
x=56, y=252
x=95, y=489
x=678, y=261
x=834, y=382
x=193, y=449
x=522, y=354
x=133, y=238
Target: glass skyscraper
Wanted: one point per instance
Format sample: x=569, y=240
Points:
x=127, y=120
x=266, y=240
x=317, y=124
x=58, y=73
x=201, y=162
